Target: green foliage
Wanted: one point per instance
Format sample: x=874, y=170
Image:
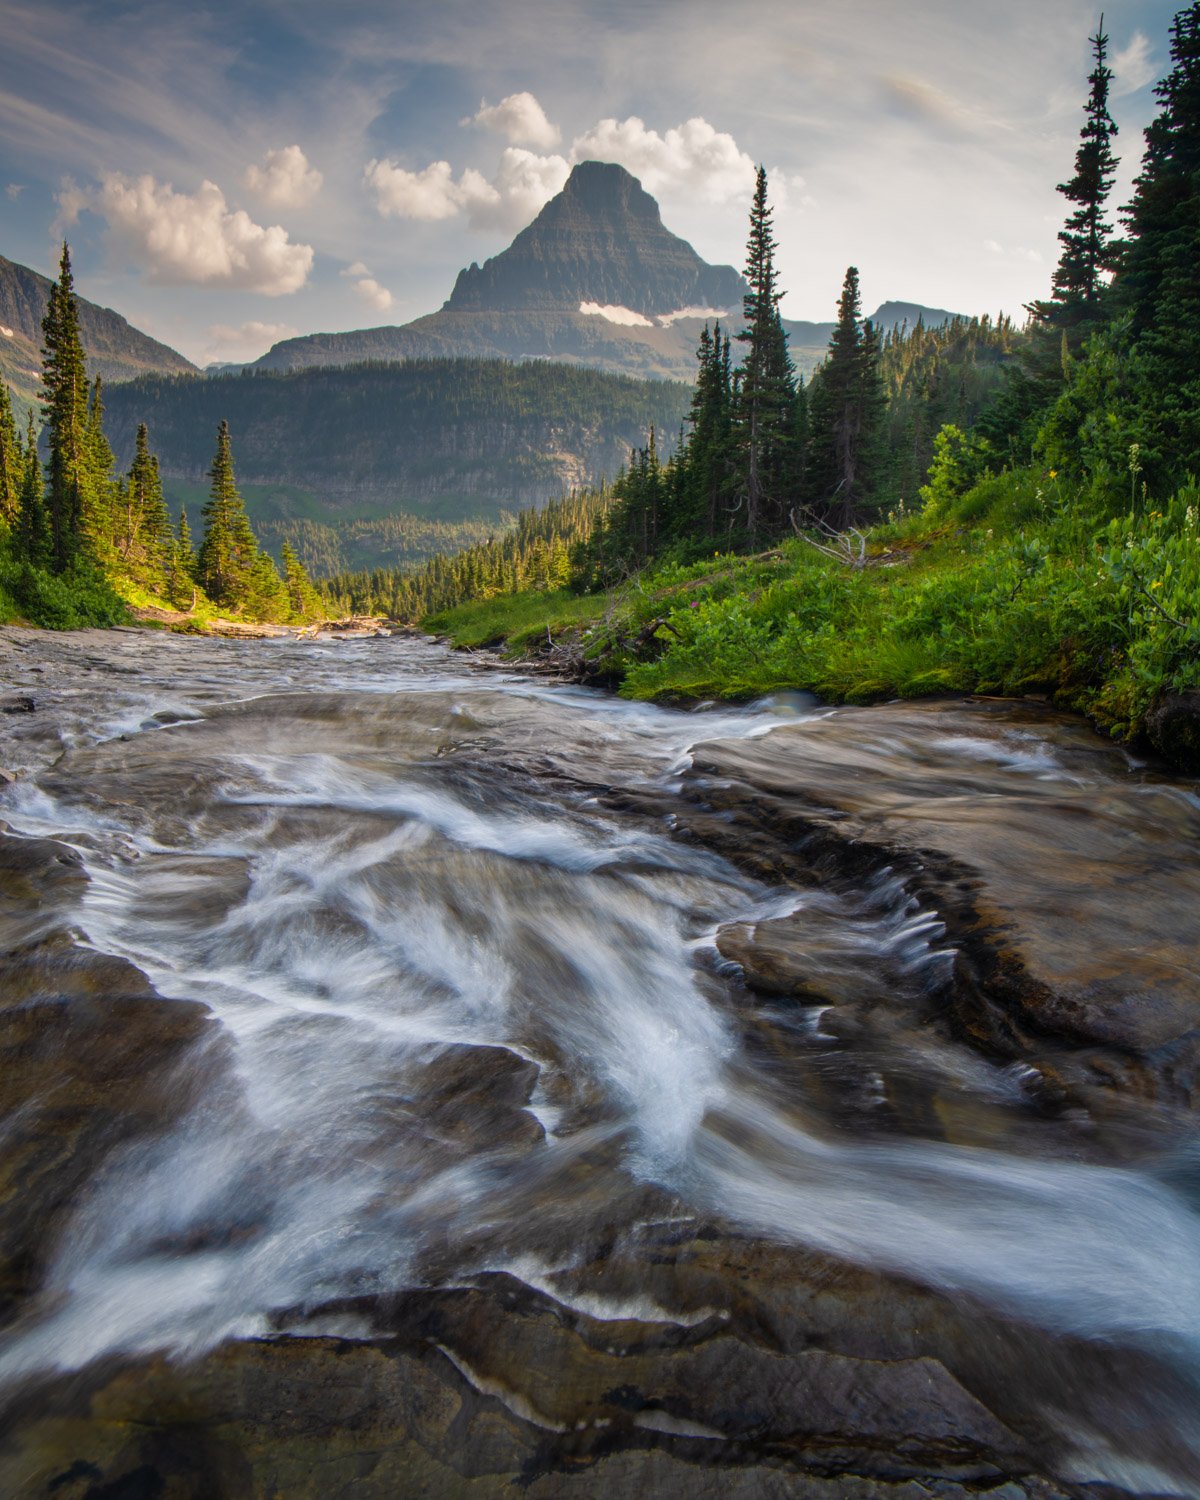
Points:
x=74, y=599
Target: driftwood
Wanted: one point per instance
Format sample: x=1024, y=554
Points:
x=848, y=547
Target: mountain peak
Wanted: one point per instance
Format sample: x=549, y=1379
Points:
x=601, y=241
x=604, y=186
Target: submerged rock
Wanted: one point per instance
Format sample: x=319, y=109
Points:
x=1173, y=728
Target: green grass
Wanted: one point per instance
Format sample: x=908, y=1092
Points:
x=518, y=620
x=1020, y=586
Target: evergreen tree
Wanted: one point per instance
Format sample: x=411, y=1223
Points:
x=228, y=551
x=846, y=410
x=264, y=595
x=303, y=599
x=1157, y=271
x=65, y=407
x=33, y=534
x=183, y=567
x=1088, y=248
x=12, y=460
x=706, y=462
x=766, y=392
x=100, y=486
x=142, y=534
x=1157, y=284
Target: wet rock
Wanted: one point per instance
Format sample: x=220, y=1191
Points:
x=1173, y=728
x=1068, y=888
x=17, y=703
x=89, y=1060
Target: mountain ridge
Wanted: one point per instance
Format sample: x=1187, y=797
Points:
x=115, y=349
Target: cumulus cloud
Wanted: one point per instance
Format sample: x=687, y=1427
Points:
x=285, y=180
x=430, y=194
x=520, y=119
x=522, y=184
x=1133, y=65
x=370, y=290
x=190, y=239
x=245, y=340
x=693, y=158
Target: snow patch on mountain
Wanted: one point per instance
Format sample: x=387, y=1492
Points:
x=625, y=316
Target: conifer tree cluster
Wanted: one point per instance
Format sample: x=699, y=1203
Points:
x=761, y=452
x=536, y=554
x=74, y=519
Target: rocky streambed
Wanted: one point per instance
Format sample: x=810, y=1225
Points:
x=419, y=1080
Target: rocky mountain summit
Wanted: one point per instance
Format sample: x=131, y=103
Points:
x=601, y=241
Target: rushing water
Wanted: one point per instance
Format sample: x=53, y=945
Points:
x=389, y=876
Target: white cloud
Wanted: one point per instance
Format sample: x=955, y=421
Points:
x=246, y=340
x=430, y=194
x=1133, y=65
x=190, y=239
x=693, y=158
x=371, y=292
x=522, y=184
x=520, y=119
x=286, y=180
x=15, y=189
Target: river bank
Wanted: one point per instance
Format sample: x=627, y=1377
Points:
x=1020, y=587
x=423, y=1078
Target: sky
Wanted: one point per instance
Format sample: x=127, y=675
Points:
x=229, y=174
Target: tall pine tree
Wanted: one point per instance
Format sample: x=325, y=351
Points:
x=845, y=416
x=1089, y=251
x=65, y=407
x=766, y=391
x=1157, y=284
x=228, y=551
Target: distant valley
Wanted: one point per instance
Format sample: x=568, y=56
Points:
x=443, y=440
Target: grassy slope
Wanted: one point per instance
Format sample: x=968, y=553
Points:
x=1019, y=587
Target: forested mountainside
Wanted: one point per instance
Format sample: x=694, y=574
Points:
x=115, y=350
x=446, y=439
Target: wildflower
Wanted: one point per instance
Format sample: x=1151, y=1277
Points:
x=1053, y=473
x=1157, y=584
x=695, y=604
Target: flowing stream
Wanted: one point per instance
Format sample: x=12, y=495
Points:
x=470, y=1016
